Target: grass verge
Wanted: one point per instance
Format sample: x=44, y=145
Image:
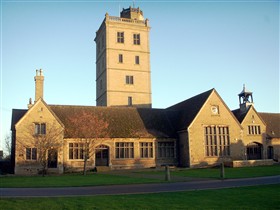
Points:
x=230, y=173
x=256, y=197
x=71, y=180
x=132, y=177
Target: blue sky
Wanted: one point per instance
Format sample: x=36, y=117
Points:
x=195, y=46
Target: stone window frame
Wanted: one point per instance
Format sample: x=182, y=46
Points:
x=120, y=37
x=77, y=150
x=136, y=39
x=137, y=59
x=217, y=141
x=120, y=58
x=129, y=79
x=254, y=130
x=31, y=153
x=129, y=101
x=124, y=150
x=166, y=149
x=146, y=149
x=40, y=128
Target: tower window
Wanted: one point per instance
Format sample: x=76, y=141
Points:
x=129, y=101
x=136, y=39
x=120, y=37
x=137, y=59
x=120, y=58
x=129, y=80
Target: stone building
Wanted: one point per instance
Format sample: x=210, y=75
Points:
x=123, y=131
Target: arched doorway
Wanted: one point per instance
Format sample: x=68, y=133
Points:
x=102, y=155
x=254, y=151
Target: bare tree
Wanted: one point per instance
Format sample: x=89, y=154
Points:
x=41, y=144
x=8, y=147
x=87, y=128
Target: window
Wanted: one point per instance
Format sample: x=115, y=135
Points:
x=77, y=151
x=124, y=150
x=166, y=149
x=40, y=128
x=129, y=101
x=136, y=39
x=146, y=149
x=120, y=58
x=31, y=153
x=137, y=59
x=129, y=80
x=120, y=37
x=217, y=141
x=254, y=129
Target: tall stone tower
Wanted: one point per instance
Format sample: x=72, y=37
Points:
x=123, y=75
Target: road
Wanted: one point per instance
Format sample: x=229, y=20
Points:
x=136, y=188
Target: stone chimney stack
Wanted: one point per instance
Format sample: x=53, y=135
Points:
x=39, y=85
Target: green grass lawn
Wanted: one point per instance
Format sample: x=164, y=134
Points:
x=230, y=173
x=70, y=180
x=75, y=180
x=256, y=197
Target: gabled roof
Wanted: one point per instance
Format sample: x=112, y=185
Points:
x=17, y=114
x=241, y=115
x=123, y=122
x=185, y=111
x=272, y=121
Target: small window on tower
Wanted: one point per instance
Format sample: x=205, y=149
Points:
x=137, y=59
x=129, y=80
x=136, y=39
x=120, y=58
x=129, y=101
x=120, y=37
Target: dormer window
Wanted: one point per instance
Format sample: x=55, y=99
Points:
x=40, y=128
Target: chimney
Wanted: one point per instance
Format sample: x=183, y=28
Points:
x=39, y=85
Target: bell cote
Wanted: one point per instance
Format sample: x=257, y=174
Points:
x=245, y=99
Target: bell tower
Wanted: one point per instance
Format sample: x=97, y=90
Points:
x=123, y=75
x=245, y=99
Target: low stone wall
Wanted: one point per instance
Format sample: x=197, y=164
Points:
x=246, y=163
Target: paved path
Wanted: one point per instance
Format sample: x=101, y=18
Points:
x=136, y=188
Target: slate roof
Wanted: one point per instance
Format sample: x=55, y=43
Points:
x=272, y=121
x=123, y=122
x=17, y=114
x=186, y=111
x=239, y=115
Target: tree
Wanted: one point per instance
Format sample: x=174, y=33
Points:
x=41, y=144
x=87, y=127
x=8, y=147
